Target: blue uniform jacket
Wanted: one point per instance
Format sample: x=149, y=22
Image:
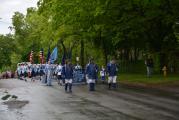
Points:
x=112, y=69
x=91, y=71
x=68, y=71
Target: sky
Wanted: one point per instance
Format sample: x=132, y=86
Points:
x=7, y=9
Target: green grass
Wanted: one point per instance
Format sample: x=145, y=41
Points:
x=170, y=80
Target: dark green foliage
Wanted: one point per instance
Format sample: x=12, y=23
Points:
x=6, y=48
x=125, y=29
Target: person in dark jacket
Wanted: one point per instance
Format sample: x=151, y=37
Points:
x=91, y=71
x=112, y=73
x=32, y=73
x=149, y=64
x=42, y=71
x=68, y=74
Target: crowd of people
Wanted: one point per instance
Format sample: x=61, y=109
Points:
x=64, y=74
x=7, y=74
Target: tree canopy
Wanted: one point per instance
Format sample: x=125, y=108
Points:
x=124, y=29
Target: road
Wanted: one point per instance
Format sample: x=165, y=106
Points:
x=39, y=102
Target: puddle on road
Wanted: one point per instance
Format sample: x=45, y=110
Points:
x=6, y=97
x=3, y=108
x=16, y=104
x=92, y=110
x=8, y=101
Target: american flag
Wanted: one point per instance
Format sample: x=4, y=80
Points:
x=41, y=55
x=31, y=56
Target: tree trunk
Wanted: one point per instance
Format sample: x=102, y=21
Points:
x=135, y=54
x=82, y=53
x=104, y=48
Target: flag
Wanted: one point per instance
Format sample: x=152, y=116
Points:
x=54, y=55
x=41, y=55
x=31, y=56
x=48, y=55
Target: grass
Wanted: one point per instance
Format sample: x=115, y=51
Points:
x=170, y=80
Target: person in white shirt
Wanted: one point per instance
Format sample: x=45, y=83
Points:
x=103, y=74
x=59, y=74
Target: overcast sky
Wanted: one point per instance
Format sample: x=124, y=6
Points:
x=7, y=9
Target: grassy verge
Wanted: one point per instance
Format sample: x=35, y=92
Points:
x=171, y=80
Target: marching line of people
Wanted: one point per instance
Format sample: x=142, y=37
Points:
x=64, y=74
x=110, y=71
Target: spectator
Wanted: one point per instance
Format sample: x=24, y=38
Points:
x=149, y=64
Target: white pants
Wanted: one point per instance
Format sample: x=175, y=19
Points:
x=87, y=80
x=91, y=81
x=112, y=79
x=49, y=78
x=43, y=78
x=68, y=81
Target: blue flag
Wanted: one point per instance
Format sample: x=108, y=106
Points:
x=48, y=55
x=54, y=55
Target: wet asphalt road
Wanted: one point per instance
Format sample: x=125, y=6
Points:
x=52, y=103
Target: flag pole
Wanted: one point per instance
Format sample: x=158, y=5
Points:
x=48, y=54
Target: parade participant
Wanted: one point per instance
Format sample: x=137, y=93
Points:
x=86, y=74
x=25, y=72
x=54, y=72
x=19, y=71
x=33, y=72
x=42, y=71
x=103, y=74
x=68, y=73
x=92, y=74
x=59, y=74
x=112, y=73
x=45, y=72
x=49, y=73
x=22, y=71
x=29, y=70
x=78, y=67
x=38, y=69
